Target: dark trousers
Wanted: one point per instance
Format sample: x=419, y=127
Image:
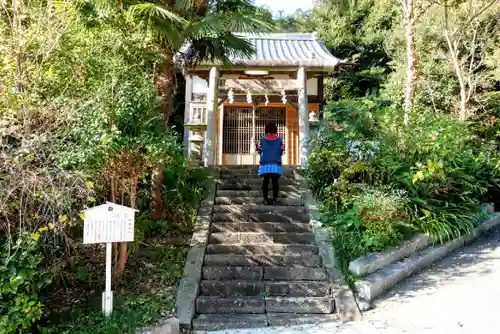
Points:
x=274, y=177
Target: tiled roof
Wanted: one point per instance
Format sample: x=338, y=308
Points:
x=287, y=50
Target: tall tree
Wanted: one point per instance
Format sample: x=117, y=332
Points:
x=359, y=32
x=412, y=11
x=208, y=29
x=466, y=31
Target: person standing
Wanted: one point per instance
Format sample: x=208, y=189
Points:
x=270, y=148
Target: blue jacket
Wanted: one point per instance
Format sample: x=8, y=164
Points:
x=271, y=149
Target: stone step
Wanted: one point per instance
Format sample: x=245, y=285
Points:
x=292, y=273
x=239, y=305
x=259, y=305
x=232, y=288
x=266, y=273
x=255, y=186
x=259, y=237
x=265, y=249
x=284, y=210
x=228, y=273
x=239, y=171
x=238, y=288
x=213, y=322
x=284, y=181
x=270, y=260
x=297, y=288
x=256, y=193
x=260, y=227
x=311, y=305
x=251, y=175
x=273, y=217
x=250, y=170
x=294, y=319
x=256, y=201
x=227, y=321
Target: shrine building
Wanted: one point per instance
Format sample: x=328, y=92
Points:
x=227, y=107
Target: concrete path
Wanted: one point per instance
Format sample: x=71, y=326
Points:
x=460, y=294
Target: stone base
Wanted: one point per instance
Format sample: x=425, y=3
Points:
x=375, y=284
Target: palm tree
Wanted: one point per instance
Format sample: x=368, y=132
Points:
x=207, y=29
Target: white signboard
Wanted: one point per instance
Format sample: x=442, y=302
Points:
x=108, y=223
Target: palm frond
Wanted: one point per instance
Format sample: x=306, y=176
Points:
x=245, y=22
x=156, y=12
x=164, y=23
x=224, y=48
x=237, y=47
x=229, y=6
x=219, y=24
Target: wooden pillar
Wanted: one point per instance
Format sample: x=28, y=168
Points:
x=187, y=112
x=252, y=147
x=303, y=117
x=321, y=96
x=220, y=135
x=212, y=101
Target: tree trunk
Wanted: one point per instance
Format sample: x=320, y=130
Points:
x=157, y=204
x=200, y=7
x=113, y=200
x=453, y=46
x=123, y=245
x=165, y=87
x=463, y=94
x=410, y=62
x=460, y=77
x=165, y=84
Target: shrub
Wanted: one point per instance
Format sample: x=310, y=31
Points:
x=22, y=277
x=184, y=188
x=379, y=181
x=80, y=124
x=377, y=215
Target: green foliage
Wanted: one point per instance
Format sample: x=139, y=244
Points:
x=359, y=32
x=184, y=190
x=22, y=277
x=116, y=97
x=202, y=31
x=78, y=109
x=150, y=294
x=296, y=22
x=379, y=182
x=376, y=215
x=369, y=34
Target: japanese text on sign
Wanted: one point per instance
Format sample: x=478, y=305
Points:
x=108, y=224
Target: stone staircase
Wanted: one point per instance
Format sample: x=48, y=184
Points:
x=261, y=266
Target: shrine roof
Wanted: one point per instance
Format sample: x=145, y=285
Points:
x=285, y=50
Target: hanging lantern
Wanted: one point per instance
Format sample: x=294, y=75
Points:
x=230, y=96
x=267, y=99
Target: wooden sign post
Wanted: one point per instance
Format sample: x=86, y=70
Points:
x=108, y=223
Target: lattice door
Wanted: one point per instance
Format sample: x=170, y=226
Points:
x=239, y=136
x=267, y=115
x=237, y=131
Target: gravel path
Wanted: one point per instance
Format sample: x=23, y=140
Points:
x=460, y=294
